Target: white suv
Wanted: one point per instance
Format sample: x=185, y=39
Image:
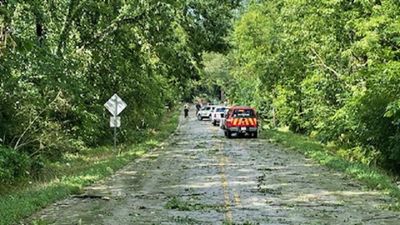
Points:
x=217, y=114
x=205, y=112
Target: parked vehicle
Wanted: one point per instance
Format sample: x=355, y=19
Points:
x=205, y=112
x=217, y=114
x=222, y=121
x=241, y=120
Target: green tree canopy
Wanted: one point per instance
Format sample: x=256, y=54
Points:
x=61, y=60
x=326, y=68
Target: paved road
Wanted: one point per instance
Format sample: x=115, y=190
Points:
x=202, y=178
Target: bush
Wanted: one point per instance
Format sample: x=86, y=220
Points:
x=13, y=165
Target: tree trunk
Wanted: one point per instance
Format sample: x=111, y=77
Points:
x=40, y=29
x=67, y=27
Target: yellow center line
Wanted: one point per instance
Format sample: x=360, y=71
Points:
x=227, y=200
x=237, y=199
x=225, y=185
x=236, y=195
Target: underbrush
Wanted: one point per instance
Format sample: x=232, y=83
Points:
x=73, y=172
x=13, y=164
x=375, y=178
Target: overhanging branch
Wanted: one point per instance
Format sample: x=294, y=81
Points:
x=115, y=25
x=323, y=64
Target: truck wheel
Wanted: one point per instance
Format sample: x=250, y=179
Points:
x=199, y=118
x=255, y=135
x=228, y=134
x=214, y=123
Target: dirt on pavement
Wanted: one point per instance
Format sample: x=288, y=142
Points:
x=200, y=177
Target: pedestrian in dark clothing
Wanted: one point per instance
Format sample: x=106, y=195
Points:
x=198, y=107
x=186, y=110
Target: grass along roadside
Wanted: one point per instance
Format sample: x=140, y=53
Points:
x=79, y=170
x=374, y=178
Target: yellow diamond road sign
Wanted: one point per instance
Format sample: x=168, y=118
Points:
x=115, y=105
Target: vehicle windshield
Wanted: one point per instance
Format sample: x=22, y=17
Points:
x=220, y=109
x=206, y=108
x=243, y=113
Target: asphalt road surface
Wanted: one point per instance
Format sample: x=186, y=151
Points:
x=200, y=177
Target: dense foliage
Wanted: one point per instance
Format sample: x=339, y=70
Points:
x=330, y=69
x=61, y=60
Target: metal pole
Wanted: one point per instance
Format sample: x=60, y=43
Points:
x=115, y=125
x=115, y=135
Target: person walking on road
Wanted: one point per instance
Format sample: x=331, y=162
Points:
x=186, y=110
x=198, y=107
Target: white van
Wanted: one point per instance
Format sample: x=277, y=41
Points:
x=217, y=114
x=205, y=112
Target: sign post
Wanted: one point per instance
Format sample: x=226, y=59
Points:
x=115, y=105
